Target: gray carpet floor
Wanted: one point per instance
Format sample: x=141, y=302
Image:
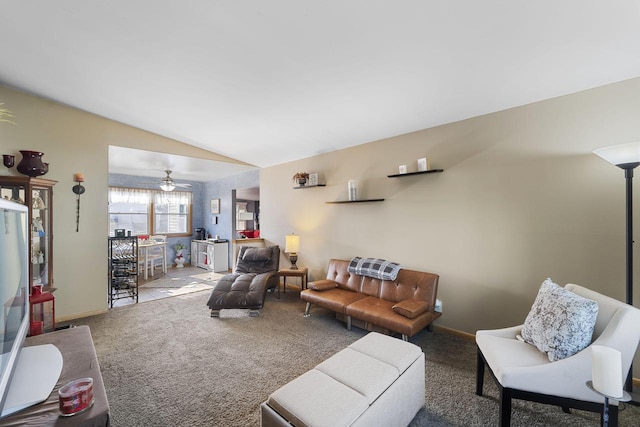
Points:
x=168, y=363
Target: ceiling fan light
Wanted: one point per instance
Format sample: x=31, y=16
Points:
x=167, y=186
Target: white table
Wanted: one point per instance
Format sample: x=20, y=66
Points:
x=143, y=253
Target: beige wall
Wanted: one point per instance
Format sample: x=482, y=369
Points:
x=522, y=198
x=75, y=141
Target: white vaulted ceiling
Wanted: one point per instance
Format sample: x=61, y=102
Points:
x=267, y=82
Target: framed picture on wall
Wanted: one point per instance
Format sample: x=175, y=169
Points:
x=215, y=206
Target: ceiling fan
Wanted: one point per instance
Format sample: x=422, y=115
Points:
x=168, y=184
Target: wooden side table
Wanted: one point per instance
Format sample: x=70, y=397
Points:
x=303, y=273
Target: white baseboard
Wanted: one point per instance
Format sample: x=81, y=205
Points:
x=80, y=315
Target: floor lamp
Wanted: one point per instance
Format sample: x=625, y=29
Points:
x=626, y=157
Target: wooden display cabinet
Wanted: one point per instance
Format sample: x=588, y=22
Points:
x=37, y=194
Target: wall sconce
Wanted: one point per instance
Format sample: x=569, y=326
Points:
x=292, y=245
x=78, y=189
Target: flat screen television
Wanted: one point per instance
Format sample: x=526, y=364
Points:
x=20, y=378
x=14, y=288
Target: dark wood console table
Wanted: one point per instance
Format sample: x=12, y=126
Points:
x=79, y=361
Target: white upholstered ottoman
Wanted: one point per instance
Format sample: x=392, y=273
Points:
x=376, y=381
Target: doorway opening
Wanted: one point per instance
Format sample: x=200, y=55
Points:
x=247, y=212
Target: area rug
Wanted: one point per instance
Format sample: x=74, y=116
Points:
x=195, y=281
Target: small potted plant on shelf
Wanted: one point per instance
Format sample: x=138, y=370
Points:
x=300, y=178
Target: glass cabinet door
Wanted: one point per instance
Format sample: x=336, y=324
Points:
x=37, y=194
x=40, y=235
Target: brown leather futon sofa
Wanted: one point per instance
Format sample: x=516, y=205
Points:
x=404, y=305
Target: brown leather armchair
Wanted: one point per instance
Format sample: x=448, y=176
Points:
x=255, y=273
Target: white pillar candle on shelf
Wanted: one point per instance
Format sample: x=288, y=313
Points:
x=353, y=190
x=423, y=164
x=607, y=370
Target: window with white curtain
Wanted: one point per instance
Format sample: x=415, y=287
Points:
x=172, y=212
x=129, y=209
x=146, y=211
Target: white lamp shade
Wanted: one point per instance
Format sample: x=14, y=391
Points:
x=607, y=370
x=292, y=243
x=167, y=186
x=620, y=154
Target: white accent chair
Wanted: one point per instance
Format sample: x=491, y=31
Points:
x=523, y=372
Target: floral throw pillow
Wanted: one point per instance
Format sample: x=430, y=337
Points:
x=560, y=322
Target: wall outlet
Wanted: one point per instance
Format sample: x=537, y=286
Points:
x=438, y=307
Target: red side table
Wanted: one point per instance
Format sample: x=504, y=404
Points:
x=42, y=309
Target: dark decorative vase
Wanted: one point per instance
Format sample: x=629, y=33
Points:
x=8, y=160
x=31, y=164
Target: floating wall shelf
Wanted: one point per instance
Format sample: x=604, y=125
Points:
x=309, y=186
x=356, y=201
x=398, y=175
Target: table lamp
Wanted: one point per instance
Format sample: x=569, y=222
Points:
x=292, y=245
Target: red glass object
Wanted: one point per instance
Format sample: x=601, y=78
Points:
x=42, y=310
x=35, y=328
x=76, y=396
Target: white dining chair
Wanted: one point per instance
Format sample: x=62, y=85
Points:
x=154, y=255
